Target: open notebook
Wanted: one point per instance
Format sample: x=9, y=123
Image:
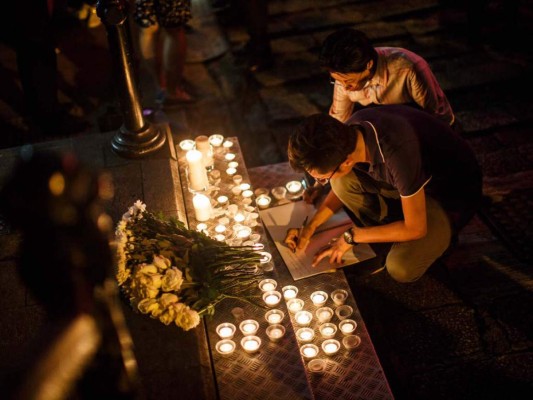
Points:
x=278, y=219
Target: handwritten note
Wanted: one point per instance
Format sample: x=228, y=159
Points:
x=278, y=219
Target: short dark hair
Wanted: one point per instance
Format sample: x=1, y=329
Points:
x=320, y=142
x=347, y=50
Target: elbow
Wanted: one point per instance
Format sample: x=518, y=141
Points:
x=419, y=233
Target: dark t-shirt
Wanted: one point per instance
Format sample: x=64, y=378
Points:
x=411, y=149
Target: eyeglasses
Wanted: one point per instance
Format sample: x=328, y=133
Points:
x=325, y=181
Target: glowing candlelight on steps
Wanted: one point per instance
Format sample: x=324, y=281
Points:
x=226, y=330
x=289, y=292
x=324, y=314
x=225, y=347
x=328, y=330
x=347, y=326
x=274, y=316
x=295, y=305
x=309, y=350
x=267, y=285
x=303, y=318
x=262, y=201
x=294, y=187
x=187, y=144
x=249, y=327
x=271, y=298
x=196, y=171
x=251, y=344
x=331, y=346
x=216, y=140
x=275, y=332
x=222, y=200
x=319, y=298
x=305, y=335
x=229, y=157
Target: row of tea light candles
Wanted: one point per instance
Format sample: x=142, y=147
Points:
x=251, y=343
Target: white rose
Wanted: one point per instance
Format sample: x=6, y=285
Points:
x=161, y=262
x=168, y=316
x=186, y=318
x=172, y=280
x=167, y=299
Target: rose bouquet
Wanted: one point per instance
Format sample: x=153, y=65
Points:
x=179, y=275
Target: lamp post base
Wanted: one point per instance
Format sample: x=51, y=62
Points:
x=138, y=144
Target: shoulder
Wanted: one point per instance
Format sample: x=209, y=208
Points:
x=399, y=58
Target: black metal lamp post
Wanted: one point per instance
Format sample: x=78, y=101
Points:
x=136, y=137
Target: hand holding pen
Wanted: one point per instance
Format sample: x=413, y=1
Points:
x=293, y=240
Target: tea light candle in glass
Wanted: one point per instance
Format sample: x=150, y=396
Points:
x=274, y=316
x=216, y=140
x=347, y=326
x=351, y=342
x=343, y=312
x=220, y=237
x=187, y=144
x=275, y=332
x=289, y=292
x=226, y=330
x=266, y=258
x=262, y=201
x=233, y=164
x=331, y=346
x=303, y=318
x=247, y=193
x=229, y=156
x=267, y=285
x=260, y=191
x=294, y=187
x=222, y=200
x=237, y=179
x=245, y=186
x=227, y=144
x=279, y=192
x=317, y=366
x=249, y=327
x=324, y=314
x=225, y=347
x=243, y=232
x=239, y=217
x=328, y=330
x=339, y=296
x=220, y=228
x=309, y=350
x=319, y=298
x=295, y=305
x=236, y=190
x=201, y=227
x=238, y=313
x=272, y=298
x=231, y=171
x=305, y=335
x=251, y=344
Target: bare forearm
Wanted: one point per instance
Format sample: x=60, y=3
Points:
x=329, y=206
x=393, y=232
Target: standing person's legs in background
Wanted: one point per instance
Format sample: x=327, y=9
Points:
x=174, y=53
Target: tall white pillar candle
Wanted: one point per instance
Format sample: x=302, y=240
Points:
x=197, y=172
x=202, y=207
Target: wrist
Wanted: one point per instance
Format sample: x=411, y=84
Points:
x=349, y=236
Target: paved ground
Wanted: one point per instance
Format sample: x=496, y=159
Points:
x=464, y=331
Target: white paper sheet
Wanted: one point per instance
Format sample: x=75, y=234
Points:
x=278, y=219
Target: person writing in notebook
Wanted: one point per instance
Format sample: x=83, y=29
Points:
x=404, y=176
x=363, y=75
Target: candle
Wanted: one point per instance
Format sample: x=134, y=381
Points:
x=317, y=366
x=237, y=179
x=220, y=228
x=237, y=312
x=305, y=335
x=343, y=312
x=216, y=140
x=324, y=314
x=187, y=144
x=331, y=346
x=233, y=164
x=328, y=330
x=279, y=192
x=227, y=144
x=229, y=157
x=294, y=187
x=245, y=186
x=267, y=285
x=247, y=193
x=303, y=318
x=260, y=191
x=295, y=305
x=339, y=296
x=274, y=316
x=202, y=144
x=249, y=327
x=224, y=221
x=347, y=326
x=244, y=232
x=201, y=227
x=319, y=298
x=202, y=207
x=250, y=344
x=262, y=201
x=225, y=347
x=236, y=190
x=239, y=217
x=222, y=200
x=220, y=237
x=309, y=350
x=275, y=332
x=351, y=341
x=231, y=171
x=271, y=298
x=289, y=292
x=226, y=330
x=196, y=171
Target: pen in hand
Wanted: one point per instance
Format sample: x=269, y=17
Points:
x=300, y=233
